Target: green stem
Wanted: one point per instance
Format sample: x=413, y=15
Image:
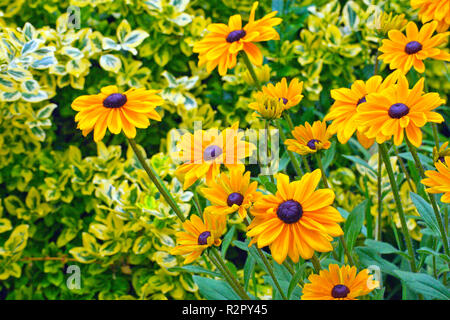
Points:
x=267, y=264
x=325, y=182
x=269, y=154
x=197, y=202
x=324, y=177
x=435, y=135
x=165, y=193
x=156, y=180
x=416, y=158
x=398, y=202
x=403, y=167
x=379, y=194
x=232, y=281
x=294, y=161
x=271, y=273
x=316, y=263
x=251, y=70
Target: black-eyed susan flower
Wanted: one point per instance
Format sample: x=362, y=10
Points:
x=198, y=235
x=231, y=192
x=385, y=22
x=439, y=181
x=221, y=46
x=203, y=152
x=343, y=111
x=290, y=95
x=397, y=110
x=116, y=111
x=439, y=155
x=437, y=10
x=297, y=220
x=267, y=107
x=403, y=52
x=309, y=139
x=339, y=283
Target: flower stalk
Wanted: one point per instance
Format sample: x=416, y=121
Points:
x=398, y=203
x=434, y=205
x=156, y=180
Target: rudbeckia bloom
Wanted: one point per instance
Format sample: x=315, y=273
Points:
x=297, y=220
x=198, y=235
x=343, y=111
x=439, y=155
x=398, y=110
x=267, y=107
x=221, y=46
x=231, y=192
x=437, y=10
x=339, y=284
x=116, y=111
x=403, y=52
x=439, y=181
x=203, y=152
x=290, y=95
x=309, y=139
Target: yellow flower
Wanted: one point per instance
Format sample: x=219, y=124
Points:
x=290, y=95
x=437, y=10
x=338, y=284
x=398, y=110
x=262, y=74
x=309, y=139
x=198, y=235
x=267, y=107
x=439, y=155
x=297, y=220
x=231, y=192
x=221, y=46
x=116, y=111
x=385, y=22
x=203, y=152
x=439, y=182
x=403, y=52
x=343, y=111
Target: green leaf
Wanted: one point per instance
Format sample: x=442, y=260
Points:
x=110, y=62
x=195, y=269
x=369, y=257
x=353, y=224
x=5, y=225
x=426, y=212
x=227, y=240
x=135, y=38
x=380, y=247
x=295, y=279
x=44, y=63
x=422, y=283
x=215, y=289
x=82, y=255
x=360, y=161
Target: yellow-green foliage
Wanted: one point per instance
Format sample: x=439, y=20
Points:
x=66, y=198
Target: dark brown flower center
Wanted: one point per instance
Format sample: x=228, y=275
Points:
x=203, y=238
x=362, y=100
x=235, y=198
x=413, y=47
x=312, y=144
x=285, y=101
x=115, y=100
x=340, y=291
x=290, y=211
x=441, y=159
x=235, y=35
x=212, y=152
x=398, y=110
